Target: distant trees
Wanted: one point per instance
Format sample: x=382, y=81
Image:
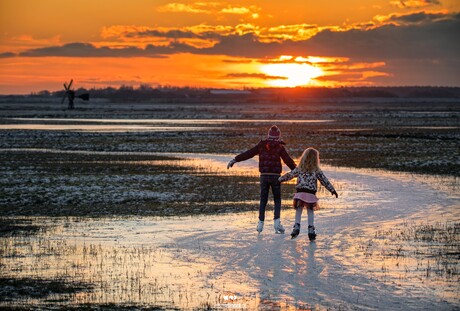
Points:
x=146, y=92
x=43, y=93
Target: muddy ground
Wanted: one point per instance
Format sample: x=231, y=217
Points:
x=125, y=159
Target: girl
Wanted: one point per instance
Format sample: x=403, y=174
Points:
x=308, y=173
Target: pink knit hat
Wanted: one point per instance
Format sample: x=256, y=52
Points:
x=274, y=133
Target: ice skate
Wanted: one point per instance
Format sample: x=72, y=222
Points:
x=311, y=233
x=279, y=229
x=295, y=231
x=260, y=226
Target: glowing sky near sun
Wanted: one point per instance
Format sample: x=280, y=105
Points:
x=228, y=44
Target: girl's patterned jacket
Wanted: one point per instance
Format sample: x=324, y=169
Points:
x=307, y=182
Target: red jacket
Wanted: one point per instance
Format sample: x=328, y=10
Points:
x=270, y=154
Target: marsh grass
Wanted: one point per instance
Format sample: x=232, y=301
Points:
x=18, y=226
x=423, y=252
x=36, y=288
x=434, y=246
x=48, y=270
x=39, y=183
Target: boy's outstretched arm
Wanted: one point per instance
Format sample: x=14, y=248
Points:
x=244, y=156
x=247, y=154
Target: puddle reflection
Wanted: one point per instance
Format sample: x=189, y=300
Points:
x=104, y=128
x=173, y=121
x=133, y=125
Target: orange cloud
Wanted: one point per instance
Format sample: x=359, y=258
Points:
x=376, y=43
x=359, y=53
x=121, y=31
x=25, y=42
x=132, y=33
x=184, y=8
x=419, y=17
x=372, y=74
x=354, y=78
x=261, y=76
x=235, y=10
x=296, y=32
x=402, y=4
x=323, y=71
x=356, y=66
x=178, y=70
x=209, y=8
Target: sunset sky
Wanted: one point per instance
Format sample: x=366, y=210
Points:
x=228, y=44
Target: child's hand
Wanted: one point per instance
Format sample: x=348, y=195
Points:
x=230, y=164
x=335, y=193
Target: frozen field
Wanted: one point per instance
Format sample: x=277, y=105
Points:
x=359, y=260
x=131, y=206
x=393, y=134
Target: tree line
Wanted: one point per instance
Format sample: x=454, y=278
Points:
x=148, y=93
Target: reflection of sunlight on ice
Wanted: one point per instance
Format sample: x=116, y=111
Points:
x=170, y=121
x=104, y=128
x=133, y=125
x=133, y=260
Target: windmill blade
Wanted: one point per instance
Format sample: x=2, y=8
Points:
x=70, y=84
x=65, y=86
x=84, y=96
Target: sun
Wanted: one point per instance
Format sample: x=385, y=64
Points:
x=290, y=74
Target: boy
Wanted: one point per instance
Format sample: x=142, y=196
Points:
x=270, y=151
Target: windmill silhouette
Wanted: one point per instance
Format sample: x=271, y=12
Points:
x=70, y=95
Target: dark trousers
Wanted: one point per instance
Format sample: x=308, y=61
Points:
x=267, y=181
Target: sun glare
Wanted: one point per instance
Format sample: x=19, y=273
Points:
x=290, y=74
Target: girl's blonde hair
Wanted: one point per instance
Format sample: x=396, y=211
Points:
x=309, y=162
